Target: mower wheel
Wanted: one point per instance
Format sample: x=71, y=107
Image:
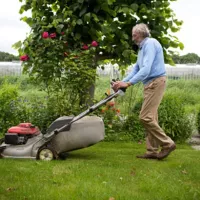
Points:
x=46, y=154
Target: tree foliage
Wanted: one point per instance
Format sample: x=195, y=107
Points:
x=74, y=24
x=4, y=56
x=187, y=59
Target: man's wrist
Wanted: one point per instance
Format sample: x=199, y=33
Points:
x=128, y=84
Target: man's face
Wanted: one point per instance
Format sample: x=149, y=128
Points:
x=136, y=37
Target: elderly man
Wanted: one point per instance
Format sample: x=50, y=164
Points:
x=149, y=69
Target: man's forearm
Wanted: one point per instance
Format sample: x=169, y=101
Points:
x=132, y=73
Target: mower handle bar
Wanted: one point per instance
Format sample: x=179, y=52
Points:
x=120, y=92
x=91, y=109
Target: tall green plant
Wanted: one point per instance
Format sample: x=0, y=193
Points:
x=173, y=119
x=198, y=122
x=8, y=101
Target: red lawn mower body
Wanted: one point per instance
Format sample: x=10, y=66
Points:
x=24, y=129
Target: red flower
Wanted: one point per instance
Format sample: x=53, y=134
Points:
x=94, y=44
x=118, y=110
x=24, y=57
x=45, y=35
x=52, y=35
x=85, y=47
x=111, y=103
x=62, y=33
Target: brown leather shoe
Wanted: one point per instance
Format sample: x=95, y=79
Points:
x=166, y=151
x=147, y=156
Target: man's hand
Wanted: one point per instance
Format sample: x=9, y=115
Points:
x=119, y=84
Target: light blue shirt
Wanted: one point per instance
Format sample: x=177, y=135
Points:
x=150, y=63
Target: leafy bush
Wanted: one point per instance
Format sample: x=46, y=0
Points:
x=198, y=121
x=112, y=121
x=173, y=119
x=132, y=125
x=15, y=109
x=133, y=128
x=37, y=111
x=119, y=127
x=8, y=101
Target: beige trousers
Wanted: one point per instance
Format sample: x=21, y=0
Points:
x=155, y=136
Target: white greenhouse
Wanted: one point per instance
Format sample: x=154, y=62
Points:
x=10, y=68
x=189, y=71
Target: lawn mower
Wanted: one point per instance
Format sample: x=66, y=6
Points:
x=65, y=134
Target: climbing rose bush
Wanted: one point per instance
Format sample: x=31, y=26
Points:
x=63, y=61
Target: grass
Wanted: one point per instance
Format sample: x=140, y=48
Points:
x=101, y=172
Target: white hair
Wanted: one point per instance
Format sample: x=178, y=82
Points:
x=142, y=29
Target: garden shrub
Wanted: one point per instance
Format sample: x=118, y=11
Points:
x=15, y=109
x=132, y=125
x=119, y=127
x=8, y=103
x=37, y=111
x=113, y=124
x=198, y=121
x=133, y=128
x=173, y=119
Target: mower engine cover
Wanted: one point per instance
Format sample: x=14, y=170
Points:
x=21, y=133
x=24, y=128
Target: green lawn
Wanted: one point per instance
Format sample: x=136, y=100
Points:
x=101, y=172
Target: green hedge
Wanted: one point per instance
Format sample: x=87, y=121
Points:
x=198, y=121
x=173, y=119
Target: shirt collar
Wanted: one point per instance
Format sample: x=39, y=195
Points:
x=142, y=43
